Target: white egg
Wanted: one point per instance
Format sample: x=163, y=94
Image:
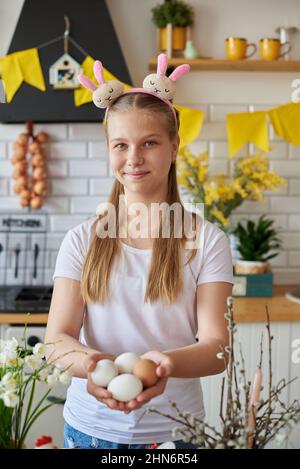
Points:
x=104, y=372
x=126, y=361
x=125, y=387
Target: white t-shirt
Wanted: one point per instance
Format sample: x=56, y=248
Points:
x=126, y=324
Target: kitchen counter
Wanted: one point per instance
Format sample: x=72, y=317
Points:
x=246, y=310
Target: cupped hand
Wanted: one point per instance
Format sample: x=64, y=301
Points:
x=165, y=367
x=99, y=392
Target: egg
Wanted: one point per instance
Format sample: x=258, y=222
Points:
x=104, y=372
x=125, y=387
x=145, y=370
x=126, y=361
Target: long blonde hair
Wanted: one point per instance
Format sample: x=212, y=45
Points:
x=165, y=279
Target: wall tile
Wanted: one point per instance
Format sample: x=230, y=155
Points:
x=88, y=168
x=70, y=186
x=218, y=112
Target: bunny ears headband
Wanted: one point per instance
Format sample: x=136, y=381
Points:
x=156, y=84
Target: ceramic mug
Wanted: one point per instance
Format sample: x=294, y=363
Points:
x=271, y=48
x=236, y=48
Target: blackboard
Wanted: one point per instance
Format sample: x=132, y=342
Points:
x=92, y=28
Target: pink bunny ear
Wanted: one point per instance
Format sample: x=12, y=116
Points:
x=179, y=72
x=86, y=82
x=98, y=71
x=162, y=64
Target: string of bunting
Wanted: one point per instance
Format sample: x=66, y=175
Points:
x=242, y=128
x=24, y=66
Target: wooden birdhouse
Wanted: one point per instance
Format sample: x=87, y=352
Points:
x=63, y=73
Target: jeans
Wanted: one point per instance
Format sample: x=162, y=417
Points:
x=75, y=439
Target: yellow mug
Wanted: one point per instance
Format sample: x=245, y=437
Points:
x=271, y=48
x=236, y=48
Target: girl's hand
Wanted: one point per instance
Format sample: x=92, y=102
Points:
x=100, y=393
x=164, y=370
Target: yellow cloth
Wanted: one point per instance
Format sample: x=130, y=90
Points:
x=81, y=94
x=18, y=67
x=247, y=127
x=191, y=121
x=286, y=122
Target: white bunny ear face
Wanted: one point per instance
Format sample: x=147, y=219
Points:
x=161, y=85
x=106, y=93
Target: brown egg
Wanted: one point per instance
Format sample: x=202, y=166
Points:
x=39, y=187
x=39, y=173
x=36, y=202
x=42, y=137
x=146, y=370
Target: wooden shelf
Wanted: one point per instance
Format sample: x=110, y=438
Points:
x=232, y=65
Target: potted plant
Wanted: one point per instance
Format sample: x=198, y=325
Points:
x=177, y=13
x=257, y=243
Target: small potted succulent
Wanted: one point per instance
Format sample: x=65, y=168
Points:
x=177, y=13
x=257, y=243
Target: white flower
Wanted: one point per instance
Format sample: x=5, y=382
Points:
x=39, y=350
x=43, y=373
x=58, y=369
x=10, y=398
x=8, y=352
x=8, y=382
x=51, y=380
x=65, y=377
x=34, y=362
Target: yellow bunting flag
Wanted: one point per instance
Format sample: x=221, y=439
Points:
x=191, y=121
x=82, y=95
x=18, y=67
x=286, y=122
x=247, y=127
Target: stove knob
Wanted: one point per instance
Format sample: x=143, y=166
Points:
x=32, y=340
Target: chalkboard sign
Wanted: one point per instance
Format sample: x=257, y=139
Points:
x=42, y=21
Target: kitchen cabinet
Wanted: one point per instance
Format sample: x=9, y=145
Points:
x=249, y=336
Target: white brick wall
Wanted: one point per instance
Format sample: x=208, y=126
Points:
x=80, y=178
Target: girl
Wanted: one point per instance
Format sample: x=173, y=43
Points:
x=148, y=295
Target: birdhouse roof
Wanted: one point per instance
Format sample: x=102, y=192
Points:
x=66, y=57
